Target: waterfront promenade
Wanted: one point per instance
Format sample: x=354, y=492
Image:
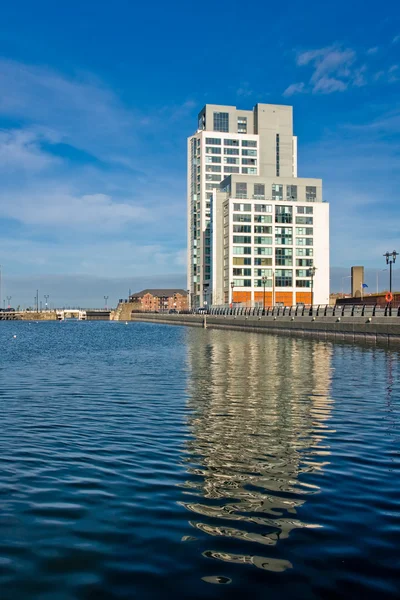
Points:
x=359, y=327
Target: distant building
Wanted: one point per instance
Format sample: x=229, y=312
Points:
x=252, y=223
x=160, y=299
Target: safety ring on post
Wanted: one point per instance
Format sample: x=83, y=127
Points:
x=389, y=297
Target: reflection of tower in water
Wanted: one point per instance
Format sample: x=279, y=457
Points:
x=259, y=406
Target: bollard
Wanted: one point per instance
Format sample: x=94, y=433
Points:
x=205, y=322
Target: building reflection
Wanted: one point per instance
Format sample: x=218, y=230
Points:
x=259, y=407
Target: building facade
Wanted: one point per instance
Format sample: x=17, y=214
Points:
x=160, y=299
x=255, y=229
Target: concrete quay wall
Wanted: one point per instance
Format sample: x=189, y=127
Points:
x=384, y=330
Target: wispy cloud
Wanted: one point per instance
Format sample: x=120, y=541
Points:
x=336, y=69
x=294, y=88
x=21, y=149
x=81, y=110
x=396, y=39
x=244, y=90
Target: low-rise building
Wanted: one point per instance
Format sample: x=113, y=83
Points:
x=160, y=299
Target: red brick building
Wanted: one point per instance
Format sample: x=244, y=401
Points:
x=160, y=299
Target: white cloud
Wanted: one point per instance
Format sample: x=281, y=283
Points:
x=336, y=69
x=20, y=149
x=393, y=74
x=327, y=85
x=396, y=39
x=62, y=208
x=294, y=88
x=81, y=110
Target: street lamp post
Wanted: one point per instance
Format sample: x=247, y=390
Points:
x=9, y=301
x=105, y=300
x=232, y=286
x=390, y=259
x=343, y=278
x=312, y=274
x=46, y=297
x=264, y=281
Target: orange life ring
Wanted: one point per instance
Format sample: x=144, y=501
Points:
x=389, y=297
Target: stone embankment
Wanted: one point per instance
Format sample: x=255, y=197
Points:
x=384, y=330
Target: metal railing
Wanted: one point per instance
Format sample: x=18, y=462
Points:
x=320, y=310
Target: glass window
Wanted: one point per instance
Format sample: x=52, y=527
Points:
x=262, y=229
x=263, y=250
x=213, y=169
x=260, y=283
x=291, y=192
x=213, y=150
x=263, y=208
x=241, y=250
x=263, y=218
x=262, y=272
x=249, y=143
x=242, y=124
x=267, y=241
x=300, y=241
x=311, y=193
x=242, y=239
x=231, y=142
x=241, y=190
x=210, y=177
x=302, y=273
x=277, y=191
x=283, y=236
x=304, y=252
x=249, y=171
x=304, y=262
x=231, y=150
x=242, y=207
x=304, y=220
x=214, y=141
x=242, y=218
x=305, y=210
x=221, y=121
x=265, y=262
x=249, y=152
x=211, y=186
x=249, y=161
x=304, y=230
x=283, y=277
x=303, y=283
x=259, y=190
x=245, y=272
x=283, y=214
x=242, y=282
x=213, y=159
x=231, y=170
x=242, y=228
x=230, y=160
x=284, y=256
x=242, y=261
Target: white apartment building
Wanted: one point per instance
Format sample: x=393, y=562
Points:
x=255, y=229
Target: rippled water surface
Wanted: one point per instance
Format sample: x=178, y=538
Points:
x=150, y=461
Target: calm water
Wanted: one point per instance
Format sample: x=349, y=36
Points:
x=149, y=461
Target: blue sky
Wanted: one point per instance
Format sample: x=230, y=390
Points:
x=97, y=100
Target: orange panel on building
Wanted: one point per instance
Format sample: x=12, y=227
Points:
x=285, y=297
x=242, y=297
x=303, y=297
x=259, y=297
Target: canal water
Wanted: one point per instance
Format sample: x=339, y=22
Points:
x=151, y=461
